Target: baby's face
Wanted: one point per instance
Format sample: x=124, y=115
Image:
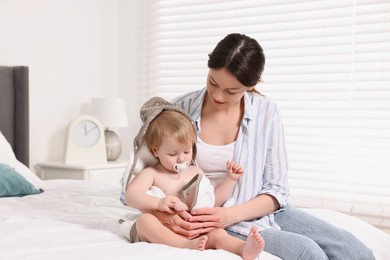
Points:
x=171, y=153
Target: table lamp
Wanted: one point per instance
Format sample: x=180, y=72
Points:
x=111, y=112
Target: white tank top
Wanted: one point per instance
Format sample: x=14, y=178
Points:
x=212, y=160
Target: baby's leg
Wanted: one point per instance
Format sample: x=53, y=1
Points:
x=248, y=250
x=150, y=229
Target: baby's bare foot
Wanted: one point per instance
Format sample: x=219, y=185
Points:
x=198, y=243
x=254, y=245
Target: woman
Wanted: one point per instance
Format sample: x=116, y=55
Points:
x=235, y=121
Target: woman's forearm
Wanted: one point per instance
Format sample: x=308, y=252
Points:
x=221, y=217
x=260, y=206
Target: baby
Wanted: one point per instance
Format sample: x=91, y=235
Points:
x=170, y=136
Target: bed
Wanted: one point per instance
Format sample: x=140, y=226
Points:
x=75, y=219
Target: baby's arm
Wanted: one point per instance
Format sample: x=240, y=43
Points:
x=225, y=189
x=171, y=204
x=136, y=196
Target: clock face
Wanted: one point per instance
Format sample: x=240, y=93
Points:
x=86, y=133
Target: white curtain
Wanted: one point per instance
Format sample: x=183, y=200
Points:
x=328, y=68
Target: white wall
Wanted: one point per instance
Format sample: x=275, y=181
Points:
x=71, y=48
x=130, y=69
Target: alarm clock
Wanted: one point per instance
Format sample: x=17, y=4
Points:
x=85, y=141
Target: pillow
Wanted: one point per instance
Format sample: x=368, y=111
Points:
x=14, y=184
x=7, y=157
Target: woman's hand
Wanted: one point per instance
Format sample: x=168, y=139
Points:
x=181, y=223
x=217, y=217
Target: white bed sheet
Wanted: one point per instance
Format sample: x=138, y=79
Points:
x=78, y=220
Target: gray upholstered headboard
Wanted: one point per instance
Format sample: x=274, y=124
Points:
x=14, y=109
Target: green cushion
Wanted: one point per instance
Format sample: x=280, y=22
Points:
x=14, y=184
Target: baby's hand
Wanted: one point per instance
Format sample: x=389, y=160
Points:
x=234, y=170
x=171, y=204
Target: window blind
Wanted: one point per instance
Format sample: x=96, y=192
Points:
x=328, y=68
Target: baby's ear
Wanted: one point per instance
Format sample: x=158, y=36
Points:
x=154, y=151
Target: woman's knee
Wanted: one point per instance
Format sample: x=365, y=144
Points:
x=309, y=249
x=288, y=245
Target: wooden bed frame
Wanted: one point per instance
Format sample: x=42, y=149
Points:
x=14, y=109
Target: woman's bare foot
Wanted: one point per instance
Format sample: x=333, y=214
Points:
x=198, y=243
x=254, y=245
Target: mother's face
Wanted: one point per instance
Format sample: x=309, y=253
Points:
x=224, y=89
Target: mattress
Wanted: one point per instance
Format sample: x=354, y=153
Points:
x=76, y=219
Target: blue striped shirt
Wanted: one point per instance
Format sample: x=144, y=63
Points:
x=260, y=149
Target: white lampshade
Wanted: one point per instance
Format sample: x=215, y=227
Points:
x=111, y=112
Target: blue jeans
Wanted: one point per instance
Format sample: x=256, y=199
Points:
x=303, y=236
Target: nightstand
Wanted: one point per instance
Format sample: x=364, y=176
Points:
x=110, y=172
